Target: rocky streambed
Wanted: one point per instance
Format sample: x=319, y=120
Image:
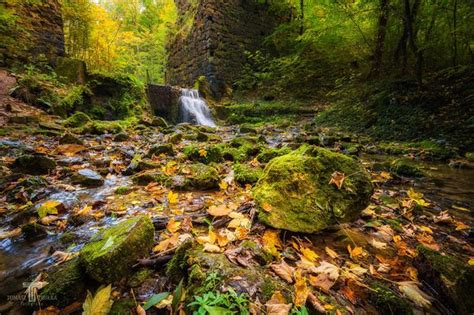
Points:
x=262, y=219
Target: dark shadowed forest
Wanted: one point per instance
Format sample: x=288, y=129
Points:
x=280, y=157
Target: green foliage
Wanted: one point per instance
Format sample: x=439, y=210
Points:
x=215, y=302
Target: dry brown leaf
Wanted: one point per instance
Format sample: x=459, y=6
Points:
x=277, y=305
x=219, y=211
x=173, y=226
x=331, y=253
x=284, y=271
x=211, y=248
x=337, y=178
x=271, y=242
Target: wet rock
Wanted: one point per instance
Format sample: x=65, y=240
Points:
x=198, y=176
x=121, y=137
x=70, y=161
x=404, y=167
x=197, y=264
x=175, y=138
x=245, y=174
x=34, y=231
x=450, y=278
x=111, y=253
x=461, y=164
x=159, y=122
x=161, y=149
x=23, y=119
x=70, y=139
x=36, y=164
x=201, y=136
x=32, y=188
x=296, y=187
x=145, y=178
x=88, y=178
x=387, y=301
x=66, y=284
x=247, y=129
x=123, y=307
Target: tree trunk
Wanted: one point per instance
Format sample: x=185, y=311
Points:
x=380, y=38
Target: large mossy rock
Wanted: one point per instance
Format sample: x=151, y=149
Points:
x=36, y=164
x=297, y=189
x=450, y=278
x=66, y=284
x=111, y=253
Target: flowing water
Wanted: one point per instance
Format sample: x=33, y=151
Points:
x=193, y=109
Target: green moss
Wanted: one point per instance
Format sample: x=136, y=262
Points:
x=205, y=154
x=404, y=167
x=110, y=253
x=144, y=178
x=66, y=284
x=122, y=190
x=161, y=149
x=78, y=119
x=387, y=301
x=201, y=177
x=177, y=268
x=270, y=153
x=123, y=307
x=175, y=138
x=297, y=188
x=139, y=277
x=470, y=156
x=99, y=127
x=245, y=174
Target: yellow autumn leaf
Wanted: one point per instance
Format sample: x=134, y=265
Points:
x=301, y=289
x=211, y=248
x=203, y=153
x=172, y=198
x=271, y=242
x=309, y=254
x=461, y=226
x=426, y=229
x=100, y=304
x=357, y=251
x=49, y=207
x=471, y=261
x=223, y=185
x=331, y=252
x=173, y=226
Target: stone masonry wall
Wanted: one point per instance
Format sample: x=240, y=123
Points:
x=37, y=34
x=214, y=46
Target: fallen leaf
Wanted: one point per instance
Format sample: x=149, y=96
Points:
x=331, y=253
x=331, y=270
x=219, y=211
x=377, y=244
x=357, y=251
x=202, y=152
x=426, y=229
x=337, y=178
x=267, y=207
x=301, y=289
x=471, y=261
x=173, y=226
x=284, y=271
x=309, y=254
x=411, y=290
x=100, y=304
x=271, y=242
x=277, y=305
x=461, y=226
x=223, y=185
x=140, y=310
x=211, y=248
x=12, y=233
x=50, y=207
x=172, y=198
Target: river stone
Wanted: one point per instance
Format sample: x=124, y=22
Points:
x=161, y=149
x=111, y=253
x=36, y=164
x=70, y=139
x=450, y=278
x=295, y=187
x=197, y=176
x=66, y=284
x=88, y=178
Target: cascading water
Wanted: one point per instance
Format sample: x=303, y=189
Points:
x=193, y=109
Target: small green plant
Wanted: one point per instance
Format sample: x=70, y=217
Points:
x=214, y=302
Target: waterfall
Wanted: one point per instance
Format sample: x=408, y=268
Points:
x=194, y=109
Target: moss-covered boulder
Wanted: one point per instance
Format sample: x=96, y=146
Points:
x=268, y=154
x=450, y=278
x=36, y=164
x=79, y=119
x=69, y=138
x=198, y=176
x=297, y=188
x=209, y=271
x=112, y=252
x=66, y=284
x=158, y=149
x=404, y=167
x=246, y=174
x=205, y=154
x=144, y=178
